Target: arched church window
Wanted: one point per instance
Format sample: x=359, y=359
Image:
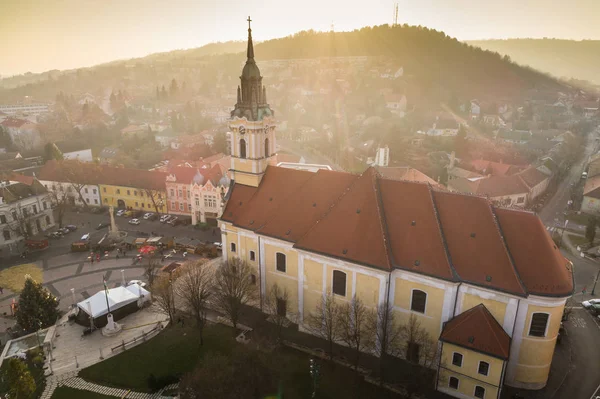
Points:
x=242, y=148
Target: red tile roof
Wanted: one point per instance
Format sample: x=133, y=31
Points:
x=532, y=176
x=495, y=168
x=368, y=220
x=22, y=179
x=529, y=244
x=476, y=329
x=13, y=122
x=592, y=187
x=91, y=173
x=474, y=239
x=493, y=186
x=408, y=222
x=362, y=238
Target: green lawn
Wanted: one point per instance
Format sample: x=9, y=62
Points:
x=578, y=240
x=176, y=351
x=173, y=351
x=71, y=393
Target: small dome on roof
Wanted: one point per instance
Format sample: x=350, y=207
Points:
x=224, y=181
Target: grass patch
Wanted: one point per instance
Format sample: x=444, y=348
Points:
x=174, y=351
x=581, y=219
x=13, y=278
x=72, y=393
x=577, y=240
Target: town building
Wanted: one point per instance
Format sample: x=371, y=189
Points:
x=72, y=181
x=591, y=196
x=430, y=254
x=30, y=109
x=25, y=211
x=133, y=189
x=196, y=192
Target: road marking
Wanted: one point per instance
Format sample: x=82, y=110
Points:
x=578, y=322
x=594, y=394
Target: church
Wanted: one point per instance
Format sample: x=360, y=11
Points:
x=488, y=283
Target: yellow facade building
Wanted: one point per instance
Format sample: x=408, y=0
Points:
x=437, y=256
x=132, y=189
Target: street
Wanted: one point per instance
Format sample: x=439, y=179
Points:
x=87, y=223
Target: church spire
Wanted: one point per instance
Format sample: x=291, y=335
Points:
x=250, y=51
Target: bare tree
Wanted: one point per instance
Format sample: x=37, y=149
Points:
x=156, y=199
x=59, y=202
x=194, y=287
x=162, y=293
x=385, y=334
x=353, y=325
x=234, y=288
x=20, y=223
x=420, y=348
x=151, y=269
x=278, y=306
x=323, y=322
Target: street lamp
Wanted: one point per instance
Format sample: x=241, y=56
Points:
x=315, y=373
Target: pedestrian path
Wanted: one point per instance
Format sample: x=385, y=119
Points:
x=71, y=380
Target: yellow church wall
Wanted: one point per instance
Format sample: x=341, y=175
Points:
x=313, y=287
x=496, y=308
x=431, y=320
x=466, y=386
x=243, y=165
x=470, y=364
x=367, y=289
x=535, y=353
x=291, y=260
x=247, y=179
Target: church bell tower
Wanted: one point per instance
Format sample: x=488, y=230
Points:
x=252, y=125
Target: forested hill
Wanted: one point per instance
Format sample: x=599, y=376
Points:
x=561, y=58
x=433, y=57
x=439, y=67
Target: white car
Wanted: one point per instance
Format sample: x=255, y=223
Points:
x=219, y=245
x=134, y=221
x=165, y=218
x=587, y=304
x=148, y=215
x=120, y=212
x=138, y=282
x=85, y=237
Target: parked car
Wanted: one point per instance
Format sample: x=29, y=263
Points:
x=588, y=304
x=85, y=237
x=71, y=227
x=121, y=212
x=102, y=225
x=134, y=221
x=148, y=215
x=138, y=282
x=55, y=235
x=219, y=245
x=173, y=220
x=165, y=218
x=595, y=308
x=64, y=230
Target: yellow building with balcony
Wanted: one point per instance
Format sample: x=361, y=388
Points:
x=433, y=256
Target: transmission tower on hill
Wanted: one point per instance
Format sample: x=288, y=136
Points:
x=395, y=14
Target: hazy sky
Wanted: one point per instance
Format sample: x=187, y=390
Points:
x=38, y=35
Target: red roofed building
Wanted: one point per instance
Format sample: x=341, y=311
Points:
x=475, y=349
x=197, y=192
x=430, y=255
x=24, y=134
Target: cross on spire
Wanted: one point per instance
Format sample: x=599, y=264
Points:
x=249, y=20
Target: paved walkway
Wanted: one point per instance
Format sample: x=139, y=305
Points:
x=71, y=380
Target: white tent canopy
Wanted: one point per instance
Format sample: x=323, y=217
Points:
x=117, y=298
